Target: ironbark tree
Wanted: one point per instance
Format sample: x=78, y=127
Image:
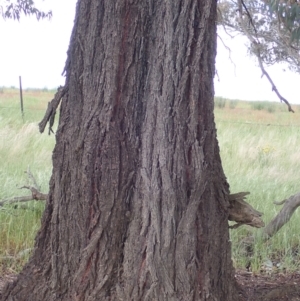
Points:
x=137, y=208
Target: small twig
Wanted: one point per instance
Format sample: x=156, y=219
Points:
x=222, y=22
x=229, y=52
x=51, y=110
x=217, y=75
x=32, y=178
x=248, y=14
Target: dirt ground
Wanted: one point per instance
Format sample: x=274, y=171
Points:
x=276, y=287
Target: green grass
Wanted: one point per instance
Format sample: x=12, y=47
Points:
x=260, y=154
x=21, y=146
x=220, y=102
x=259, y=150
x=263, y=105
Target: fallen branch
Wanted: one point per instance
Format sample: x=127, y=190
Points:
x=285, y=214
x=35, y=192
x=35, y=195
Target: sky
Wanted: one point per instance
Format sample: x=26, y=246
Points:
x=37, y=51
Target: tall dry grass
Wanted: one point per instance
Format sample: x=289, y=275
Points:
x=260, y=154
x=21, y=147
x=259, y=150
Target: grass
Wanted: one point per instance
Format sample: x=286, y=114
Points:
x=259, y=150
x=260, y=154
x=21, y=146
x=263, y=105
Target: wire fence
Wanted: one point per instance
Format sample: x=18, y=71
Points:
x=18, y=109
x=216, y=120
x=257, y=123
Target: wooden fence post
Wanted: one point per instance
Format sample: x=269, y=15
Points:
x=21, y=97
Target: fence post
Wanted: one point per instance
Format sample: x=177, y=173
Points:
x=21, y=97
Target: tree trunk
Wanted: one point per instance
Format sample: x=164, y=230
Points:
x=137, y=208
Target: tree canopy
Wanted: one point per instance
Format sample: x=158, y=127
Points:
x=271, y=27
x=13, y=9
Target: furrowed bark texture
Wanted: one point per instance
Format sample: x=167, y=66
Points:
x=138, y=200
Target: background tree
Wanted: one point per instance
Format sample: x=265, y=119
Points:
x=13, y=9
x=272, y=29
x=268, y=25
x=138, y=201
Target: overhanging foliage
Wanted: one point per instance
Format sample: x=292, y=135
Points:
x=13, y=9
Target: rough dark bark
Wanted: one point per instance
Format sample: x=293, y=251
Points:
x=138, y=201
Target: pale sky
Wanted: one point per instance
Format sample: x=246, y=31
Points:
x=37, y=52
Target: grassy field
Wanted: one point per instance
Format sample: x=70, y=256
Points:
x=260, y=150
x=259, y=142
x=21, y=147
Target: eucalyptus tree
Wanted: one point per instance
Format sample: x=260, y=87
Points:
x=138, y=201
x=11, y=9
x=272, y=28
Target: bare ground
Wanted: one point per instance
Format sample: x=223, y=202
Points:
x=275, y=287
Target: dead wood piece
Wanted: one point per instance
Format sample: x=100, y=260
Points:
x=279, y=202
x=32, y=178
x=35, y=192
x=35, y=195
x=243, y=213
x=51, y=110
x=286, y=212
